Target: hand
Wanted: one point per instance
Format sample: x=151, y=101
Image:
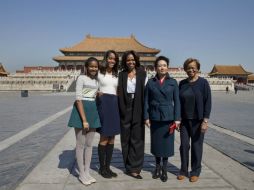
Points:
x=147, y=123
x=99, y=93
x=178, y=125
x=86, y=126
x=204, y=127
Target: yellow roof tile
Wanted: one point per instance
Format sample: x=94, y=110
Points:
x=100, y=58
x=2, y=70
x=102, y=44
x=229, y=70
x=251, y=77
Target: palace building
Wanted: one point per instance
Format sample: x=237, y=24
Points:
x=251, y=79
x=237, y=72
x=74, y=57
x=3, y=72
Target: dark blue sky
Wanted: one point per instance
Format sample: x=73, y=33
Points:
x=214, y=31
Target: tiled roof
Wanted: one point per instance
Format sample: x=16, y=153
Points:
x=229, y=70
x=102, y=44
x=2, y=70
x=251, y=77
x=75, y=58
x=100, y=58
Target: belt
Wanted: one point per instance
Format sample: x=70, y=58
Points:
x=131, y=95
x=88, y=99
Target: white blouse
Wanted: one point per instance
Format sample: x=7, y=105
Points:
x=107, y=83
x=131, y=84
x=86, y=88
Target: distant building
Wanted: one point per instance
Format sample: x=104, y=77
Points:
x=251, y=79
x=29, y=69
x=3, y=72
x=237, y=72
x=176, y=69
x=39, y=68
x=75, y=56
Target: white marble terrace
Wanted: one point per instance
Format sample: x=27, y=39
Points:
x=61, y=80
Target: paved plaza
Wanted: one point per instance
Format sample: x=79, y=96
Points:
x=38, y=150
x=233, y=112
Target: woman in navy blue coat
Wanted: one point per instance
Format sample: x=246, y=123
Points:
x=162, y=108
x=195, y=97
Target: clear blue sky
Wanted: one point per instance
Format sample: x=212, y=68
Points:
x=214, y=31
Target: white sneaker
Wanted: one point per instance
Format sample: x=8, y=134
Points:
x=84, y=180
x=91, y=179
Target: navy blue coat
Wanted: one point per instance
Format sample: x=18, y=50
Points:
x=162, y=101
x=203, y=98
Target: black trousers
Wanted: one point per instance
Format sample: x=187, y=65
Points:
x=132, y=141
x=191, y=129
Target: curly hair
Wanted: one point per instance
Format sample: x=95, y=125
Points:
x=124, y=59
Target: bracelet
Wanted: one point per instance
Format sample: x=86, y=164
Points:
x=85, y=123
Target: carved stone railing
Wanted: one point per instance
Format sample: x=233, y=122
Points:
x=39, y=80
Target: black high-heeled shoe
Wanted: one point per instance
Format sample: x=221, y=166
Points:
x=134, y=175
x=164, y=175
x=157, y=172
x=104, y=173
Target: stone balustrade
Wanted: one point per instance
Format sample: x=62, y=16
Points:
x=215, y=83
x=61, y=80
x=39, y=80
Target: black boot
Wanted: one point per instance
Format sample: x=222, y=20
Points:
x=157, y=172
x=109, y=152
x=164, y=175
x=102, y=157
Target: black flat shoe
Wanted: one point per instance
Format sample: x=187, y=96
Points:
x=135, y=176
x=157, y=172
x=113, y=174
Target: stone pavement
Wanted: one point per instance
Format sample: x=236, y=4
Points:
x=57, y=171
x=232, y=114
x=29, y=128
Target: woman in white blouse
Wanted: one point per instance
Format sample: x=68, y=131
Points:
x=85, y=119
x=107, y=103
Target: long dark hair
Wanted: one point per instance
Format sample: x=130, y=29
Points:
x=124, y=59
x=104, y=64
